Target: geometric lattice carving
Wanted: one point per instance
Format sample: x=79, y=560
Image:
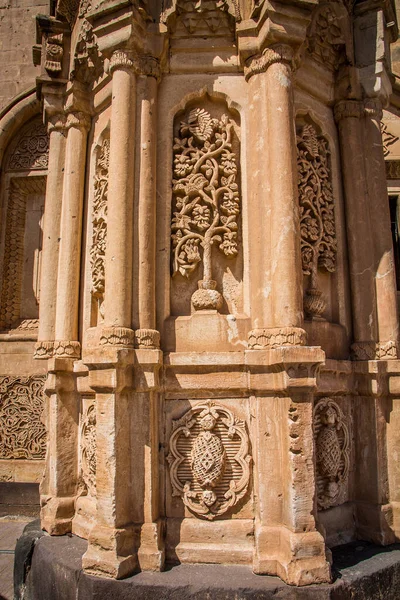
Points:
x=30, y=151
x=206, y=199
x=317, y=216
x=99, y=225
x=20, y=188
x=22, y=432
x=332, y=443
x=209, y=459
x=88, y=449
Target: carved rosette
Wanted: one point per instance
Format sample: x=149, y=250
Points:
x=99, y=226
x=206, y=200
x=22, y=432
x=317, y=216
x=54, y=53
x=88, y=449
x=209, y=459
x=332, y=446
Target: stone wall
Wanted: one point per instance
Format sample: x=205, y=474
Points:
x=17, y=35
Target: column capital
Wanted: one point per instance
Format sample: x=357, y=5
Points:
x=280, y=53
x=79, y=120
x=57, y=122
x=138, y=64
x=348, y=108
x=373, y=108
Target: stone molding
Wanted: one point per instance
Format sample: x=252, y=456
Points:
x=140, y=65
x=66, y=349
x=277, y=336
x=345, y=109
x=374, y=350
x=281, y=53
x=43, y=350
x=79, y=119
x=117, y=336
x=147, y=338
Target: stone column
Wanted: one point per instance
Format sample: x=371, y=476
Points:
x=118, y=260
x=51, y=237
x=283, y=286
x=348, y=114
x=146, y=335
x=385, y=275
x=67, y=312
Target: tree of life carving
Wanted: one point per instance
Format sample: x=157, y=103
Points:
x=317, y=217
x=206, y=200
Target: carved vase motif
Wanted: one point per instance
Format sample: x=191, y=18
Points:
x=332, y=445
x=206, y=200
x=209, y=460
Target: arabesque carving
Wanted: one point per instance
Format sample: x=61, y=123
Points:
x=88, y=449
x=317, y=216
x=332, y=441
x=326, y=40
x=10, y=306
x=87, y=62
x=206, y=200
x=30, y=151
x=209, y=459
x=205, y=17
x=99, y=226
x=22, y=432
x=388, y=139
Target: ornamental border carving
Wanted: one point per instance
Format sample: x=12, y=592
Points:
x=374, y=350
x=197, y=465
x=88, y=448
x=117, y=336
x=275, y=337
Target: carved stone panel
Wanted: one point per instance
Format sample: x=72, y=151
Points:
x=30, y=150
x=22, y=431
x=332, y=447
x=88, y=449
x=209, y=459
x=317, y=214
x=206, y=201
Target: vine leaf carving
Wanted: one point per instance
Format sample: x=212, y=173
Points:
x=88, y=449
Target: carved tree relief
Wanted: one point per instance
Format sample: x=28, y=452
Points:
x=206, y=200
x=22, y=432
x=209, y=459
x=332, y=441
x=317, y=216
x=88, y=449
x=99, y=225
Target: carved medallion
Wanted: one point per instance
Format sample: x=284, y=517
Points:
x=332, y=443
x=22, y=432
x=88, y=449
x=206, y=200
x=317, y=216
x=209, y=459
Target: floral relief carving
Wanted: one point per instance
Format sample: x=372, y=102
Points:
x=326, y=40
x=206, y=200
x=317, y=216
x=87, y=62
x=209, y=459
x=99, y=225
x=88, y=449
x=31, y=149
x=332, y=441
x=22, y=432
x=205, y=17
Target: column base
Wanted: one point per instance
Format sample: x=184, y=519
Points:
x=56, y=514
x=151, y=553
x=111, y=552
x=297, y=558
x=375, y=523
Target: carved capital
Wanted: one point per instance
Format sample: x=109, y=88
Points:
x=348, y=109
x=121, y=60
x=66, y=349
x=259, y=339
x=373, y=108
x=147, y=338
x=78, y=119
x=43, y=350
x=140, y=65
x=374, y=350
x=57, y=122
x=281, y=53
x=117, y=336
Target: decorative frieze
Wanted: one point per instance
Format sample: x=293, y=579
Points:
x=275, y=337
x=206, y=200
x=66, y=349
x=332, y=446
x=374, y=350
x=117, y=336
x=22, y=432
x=317, y=215
x=99, y=226
x=209, y=459
x=88, y=449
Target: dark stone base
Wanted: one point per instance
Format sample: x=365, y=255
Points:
x=362, y=572
x=19, y=499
